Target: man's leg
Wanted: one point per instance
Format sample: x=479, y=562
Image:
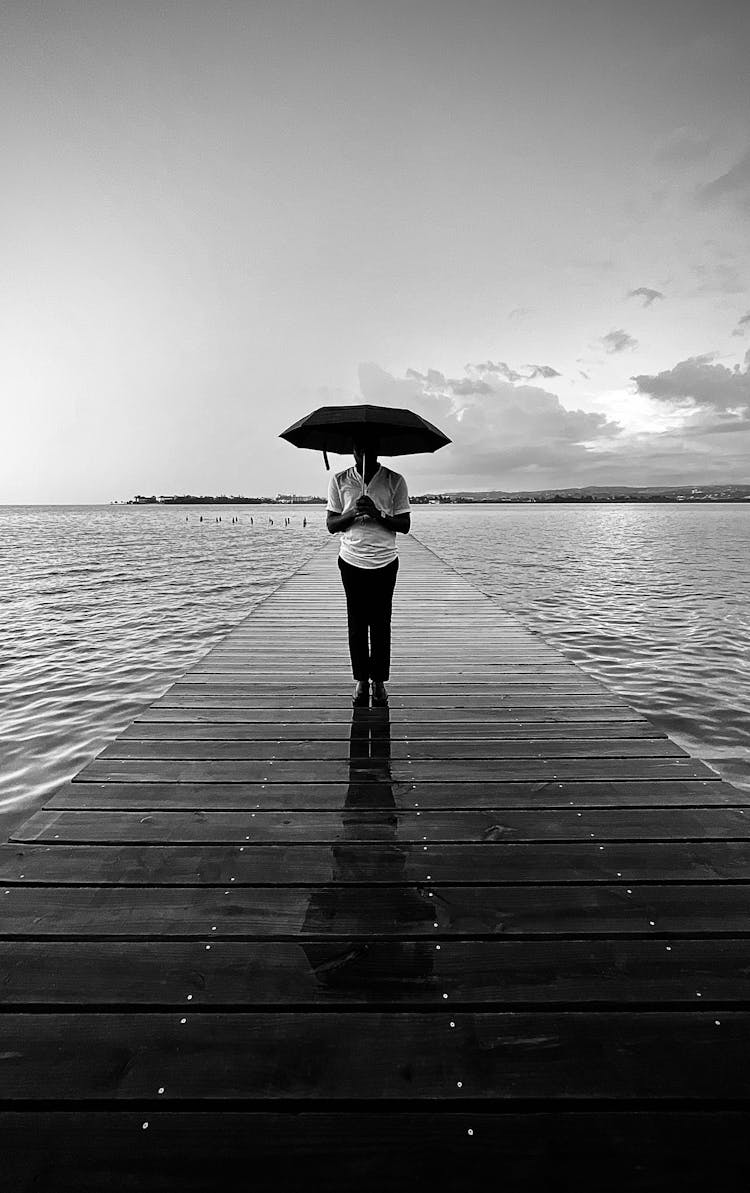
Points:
x=379, y=615
x=356, y=614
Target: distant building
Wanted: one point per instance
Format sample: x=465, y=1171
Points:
x=297, y=499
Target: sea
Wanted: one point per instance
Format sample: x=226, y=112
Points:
x=103, y=607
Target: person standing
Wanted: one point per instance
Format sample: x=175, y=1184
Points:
x=368, y=505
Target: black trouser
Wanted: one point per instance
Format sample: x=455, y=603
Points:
x=369, y=599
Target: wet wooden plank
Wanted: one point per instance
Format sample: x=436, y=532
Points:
x=332, y=675
x=316, y=974
x=491, y=652
x=492, y=656
x=422, y=731
x=267, y=771
x=316, y=750
x=376, y=863
x=215, y=685
x=640, y=1151
x=390, y=824
x=339, y=796
x=429, y=719
x=364, y=1055
x=427, y=911
x=439, y=706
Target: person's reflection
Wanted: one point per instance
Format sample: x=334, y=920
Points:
x=368, y=851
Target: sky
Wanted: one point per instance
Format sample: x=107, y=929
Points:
x=526, y=219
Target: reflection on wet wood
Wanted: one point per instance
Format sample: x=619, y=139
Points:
x=358, y=862
x=610, y=971
x=365, y=823
x=270, y=770
x=313, y=797
x=323, y=751
x=388, y=911
x=510, y=886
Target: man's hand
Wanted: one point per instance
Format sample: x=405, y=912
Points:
x=366, y=506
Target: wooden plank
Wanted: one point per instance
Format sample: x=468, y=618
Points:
x=426, y=911
x=495, y=649
x=503, y=973
x=497, y=671
x=335, y=671
x=491, y=651
x=334, y=796
x=490, y=654
x=411, y=685
x=376, y=863
x=429, y=719
x=340, y=702
x=399, y=751
x=136, y=770
x=389, y=824
x=452, y=1151
x=421, y=731
x=410, y=1056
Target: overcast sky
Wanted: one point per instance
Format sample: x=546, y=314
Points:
x=527, y=219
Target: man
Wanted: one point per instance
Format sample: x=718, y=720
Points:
x=368, y=505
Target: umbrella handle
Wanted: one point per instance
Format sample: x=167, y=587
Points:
x=325, y=460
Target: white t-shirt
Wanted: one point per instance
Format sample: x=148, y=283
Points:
x=368, y=544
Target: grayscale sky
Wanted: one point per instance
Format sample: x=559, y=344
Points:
x=526, y=219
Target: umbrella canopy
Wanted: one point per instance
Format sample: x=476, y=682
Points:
x=335, y=429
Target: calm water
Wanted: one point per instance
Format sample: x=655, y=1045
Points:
x=105, y=606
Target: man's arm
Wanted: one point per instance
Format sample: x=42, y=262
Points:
x=337, y=522
x=401, y=523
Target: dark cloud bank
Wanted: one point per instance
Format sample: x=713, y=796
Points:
x=510, y=434
x=715, y=396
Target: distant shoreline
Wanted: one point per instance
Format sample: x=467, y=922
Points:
x=619, y=494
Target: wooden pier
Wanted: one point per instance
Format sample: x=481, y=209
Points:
x=495, y=937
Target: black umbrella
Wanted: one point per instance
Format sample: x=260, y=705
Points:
x=335, y=429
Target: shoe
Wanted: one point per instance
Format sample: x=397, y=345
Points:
x=379, y=694
x=361, y=697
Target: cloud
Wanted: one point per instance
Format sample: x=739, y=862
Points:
x=498, y=428
x=520, y=436
x=497, y=367
x=706, y=389
x=545, y=371
x=501, y=369
x=468, y=385
x=646, y=293
x=743, y=325
x=734, y=184
x=684, y=145
x=618, y=340
x=431, y=377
